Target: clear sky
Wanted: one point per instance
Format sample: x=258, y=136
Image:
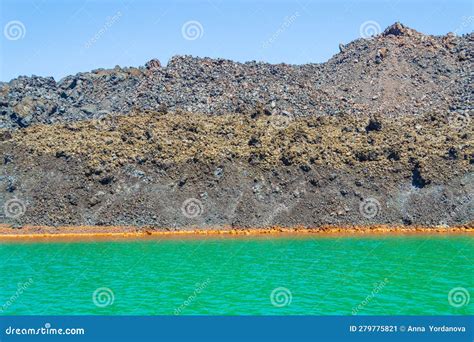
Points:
x=58, y=38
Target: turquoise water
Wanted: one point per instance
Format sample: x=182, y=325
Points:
x=318, y=276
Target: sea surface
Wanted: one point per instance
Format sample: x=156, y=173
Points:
x=398, y=275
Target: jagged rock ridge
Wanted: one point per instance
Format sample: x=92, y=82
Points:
x=399, y=72
x=379, y=134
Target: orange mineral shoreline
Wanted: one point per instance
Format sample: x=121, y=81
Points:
x=28, y=233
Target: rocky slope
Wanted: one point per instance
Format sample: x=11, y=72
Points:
x=400, y=72
x=379, y=134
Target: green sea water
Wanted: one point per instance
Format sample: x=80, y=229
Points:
x=265, y=276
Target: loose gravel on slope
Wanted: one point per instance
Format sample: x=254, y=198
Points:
x=381, y=134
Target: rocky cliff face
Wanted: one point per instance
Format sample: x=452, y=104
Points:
x=379, y=134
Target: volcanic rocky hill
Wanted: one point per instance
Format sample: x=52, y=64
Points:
x=379, y=134
x=400, y=72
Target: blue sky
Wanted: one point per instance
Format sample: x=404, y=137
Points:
x=58, y=38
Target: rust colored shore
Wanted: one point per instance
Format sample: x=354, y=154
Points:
x=87, y=233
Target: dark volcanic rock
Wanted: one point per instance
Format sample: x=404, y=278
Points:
x=382, y=133
x=241, y=171
x=397, y=29
x=400, y=72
